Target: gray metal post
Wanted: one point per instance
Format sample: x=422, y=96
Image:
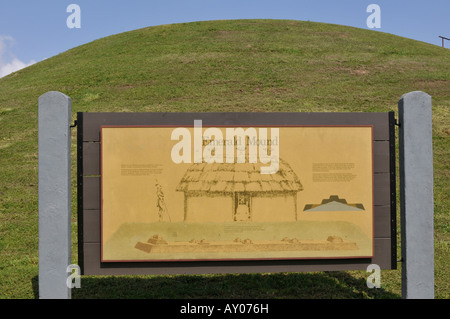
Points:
x=416, y=195
x=54, y=117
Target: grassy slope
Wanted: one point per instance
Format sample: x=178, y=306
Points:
x=247, y=65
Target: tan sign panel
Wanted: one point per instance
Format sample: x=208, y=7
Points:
x=236, y=193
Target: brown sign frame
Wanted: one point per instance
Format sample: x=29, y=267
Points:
x=89, y=192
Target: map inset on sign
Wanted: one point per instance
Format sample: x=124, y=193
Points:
x=229, y=193
x=333, y=204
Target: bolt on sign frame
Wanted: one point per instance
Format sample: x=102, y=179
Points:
x=247, y=225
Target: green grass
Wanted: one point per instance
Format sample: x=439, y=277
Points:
x=239, y=66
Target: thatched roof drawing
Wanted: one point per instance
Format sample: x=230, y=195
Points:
x=238, y=177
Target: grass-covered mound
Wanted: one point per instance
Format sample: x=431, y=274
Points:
x=242, y=65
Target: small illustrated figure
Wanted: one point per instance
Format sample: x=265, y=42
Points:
x=160, y=203
x=242, y=209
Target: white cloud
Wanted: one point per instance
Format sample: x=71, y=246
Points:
x=8, y=62
x=13, y=66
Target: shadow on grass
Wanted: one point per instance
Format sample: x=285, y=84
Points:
x=35, y=285
x=320, y=285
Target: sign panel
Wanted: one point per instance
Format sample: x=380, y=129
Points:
x=200, y=193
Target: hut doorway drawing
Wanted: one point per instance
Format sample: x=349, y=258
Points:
x=242, y=207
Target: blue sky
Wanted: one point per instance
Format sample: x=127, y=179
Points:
x=33, y=30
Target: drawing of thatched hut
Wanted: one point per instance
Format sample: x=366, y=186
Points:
x=239, y=192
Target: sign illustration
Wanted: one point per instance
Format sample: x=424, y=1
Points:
x=236, y=193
